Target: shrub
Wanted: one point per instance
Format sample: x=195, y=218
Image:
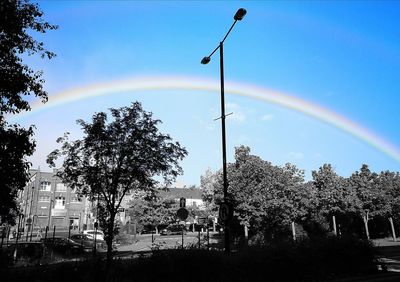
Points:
x=305, y=260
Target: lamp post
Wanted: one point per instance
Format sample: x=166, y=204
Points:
x=238, y=17
x=50, y=208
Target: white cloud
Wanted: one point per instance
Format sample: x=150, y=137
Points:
x=296, y=155
x=317, y=156
x=267, y=117
x=238, y=115
x=243, y=139
x=207, y=125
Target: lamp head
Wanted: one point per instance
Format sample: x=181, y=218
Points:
x=240, y=14
x=205, y=60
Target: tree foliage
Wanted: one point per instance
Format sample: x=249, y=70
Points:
x=389, y=182
x=117, y=156
x=154, y=210
x=371, y=196
x=18, y=81
x=333, y=193
x=15, y=145
x=267, y=198
x=209, y=183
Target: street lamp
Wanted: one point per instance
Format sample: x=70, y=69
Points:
x=238, y=17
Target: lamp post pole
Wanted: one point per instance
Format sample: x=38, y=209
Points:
x=238, y=16
x=50, y=208
x=221, y=64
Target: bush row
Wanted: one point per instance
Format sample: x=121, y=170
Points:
x=306, y=260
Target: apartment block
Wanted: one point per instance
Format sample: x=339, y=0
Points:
x=46, y=201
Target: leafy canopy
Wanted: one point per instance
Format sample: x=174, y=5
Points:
x=117, y=156
x=372, y=196
x=17, y=81
x=334, y=196
x=265, y=197
x=15, y=144
x=154, y=210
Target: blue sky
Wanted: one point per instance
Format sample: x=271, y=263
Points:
x=344, y=56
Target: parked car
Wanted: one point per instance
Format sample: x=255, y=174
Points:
x=173, y=229
x=87, y=241
x=93, y=233
x=147, y=229
x=196, y=227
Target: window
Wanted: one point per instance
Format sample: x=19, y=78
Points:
x=61, y=187
x=45, y=186
x=59, y=203
x=76, y=198
x=44, y=199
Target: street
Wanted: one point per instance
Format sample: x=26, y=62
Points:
x=144, y=242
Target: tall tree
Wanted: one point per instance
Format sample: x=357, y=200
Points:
x=246, y=188
x=266, y=198
x=15, y=145
x=372, y=200
x=17, y=81
x=116, y=157
x=331, y=192
x=208, y=183
x=154, y=210
x=389, y=183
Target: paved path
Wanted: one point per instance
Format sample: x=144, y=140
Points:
x=382, y=277
x=389, y=253
x=385, y=242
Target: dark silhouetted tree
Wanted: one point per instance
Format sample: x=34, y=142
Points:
x=15, y=145
x=17, y=81
x=118, y=156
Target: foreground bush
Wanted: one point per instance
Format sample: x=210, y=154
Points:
x=317, y=260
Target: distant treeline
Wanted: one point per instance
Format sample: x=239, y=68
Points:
x=274, y=202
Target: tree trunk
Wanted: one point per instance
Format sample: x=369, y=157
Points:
x=293, y=231
x=134, y=229
x=334, y=225
x=365, y=218
x=246, y=235
x=156, y=227
x=393, y=231
x=110, y=237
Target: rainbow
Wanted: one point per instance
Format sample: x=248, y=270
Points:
x=202, y=84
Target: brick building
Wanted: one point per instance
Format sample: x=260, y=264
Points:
x=46, y=201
